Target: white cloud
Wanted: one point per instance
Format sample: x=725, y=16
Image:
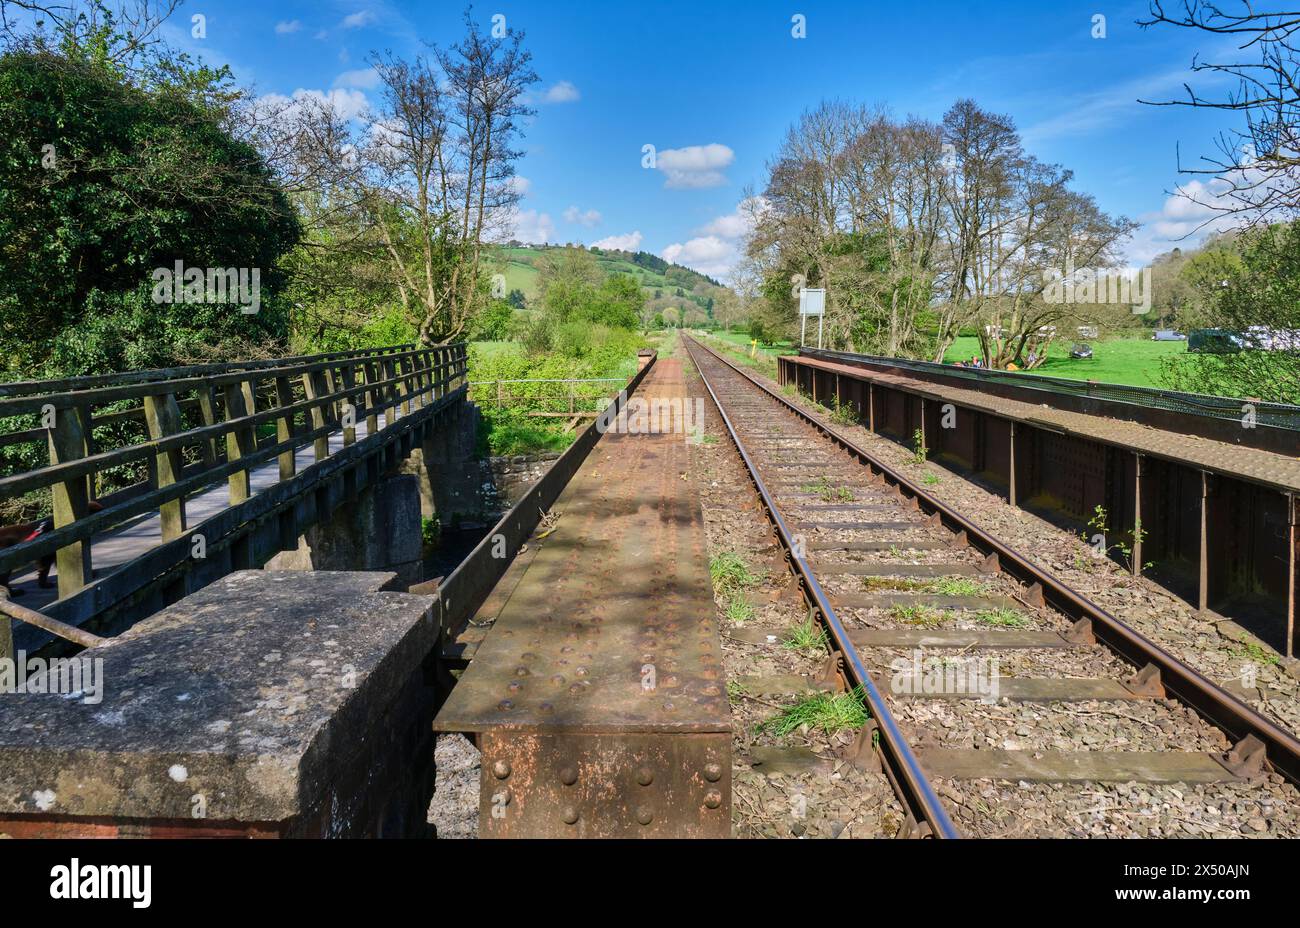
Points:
x=286, y=28
x=716, y=249
x=736, y=224
x=1185, y=220
x=629, y=242
x=366, y=78
x=707, y=254
x=562, y=92
x=695, y=167
x=520, y=185
x=532, y=226
x=358, y=19
x=349, y=104
x=588, y=218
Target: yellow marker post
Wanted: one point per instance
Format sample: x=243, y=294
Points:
x=753, y=348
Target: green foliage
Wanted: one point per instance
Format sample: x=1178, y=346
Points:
x=494, y=322
x=806, y=636
x=739, y=610
x=430, y=530
x=509, y=432
x=731, y=574
x=1002, y=618
x=826, y=712
x=919, y=451
x=1262, y=290
x=137, y=178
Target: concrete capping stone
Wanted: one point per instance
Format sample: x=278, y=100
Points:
x=261, y=693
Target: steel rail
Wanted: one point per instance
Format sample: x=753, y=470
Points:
x=1214, y=704
x=900, y=763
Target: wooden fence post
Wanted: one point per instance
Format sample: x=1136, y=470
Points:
x=284, y=426
x=315, y=385
x=240, y=441
x=71, y=501
x=163, y=417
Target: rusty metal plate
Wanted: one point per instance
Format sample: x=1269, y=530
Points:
x=594, y=786
x=611, y=628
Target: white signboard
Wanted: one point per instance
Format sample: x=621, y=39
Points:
x=812, y=302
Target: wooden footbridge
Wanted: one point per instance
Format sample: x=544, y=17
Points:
x=198, y=471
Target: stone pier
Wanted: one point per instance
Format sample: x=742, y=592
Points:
x=268, y=704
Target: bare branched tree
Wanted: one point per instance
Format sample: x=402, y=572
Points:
x=1254, y=176
x=125, y=32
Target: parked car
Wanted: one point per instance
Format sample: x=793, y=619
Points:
x=1081, y=351
x=1215, y=341
x=1168, y=335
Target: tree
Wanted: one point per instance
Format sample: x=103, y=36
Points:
x=1259, y=299
x=918, y=230
x=101, y=182
x=1255, y=175
x=416, y=187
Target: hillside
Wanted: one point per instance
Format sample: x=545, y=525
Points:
x=654, y=273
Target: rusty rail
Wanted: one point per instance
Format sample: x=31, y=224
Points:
x=1215, y=705
x=67, y=632
x=900, y=763
x=465, y=589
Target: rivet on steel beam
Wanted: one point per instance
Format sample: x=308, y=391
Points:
x=645, y=776
x=644, y=815
x=569, y=776
x=570, y=815
x=501, y=770
x=713, y=799
x=713, y=772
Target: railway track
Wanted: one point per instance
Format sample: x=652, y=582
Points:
x=945, y=630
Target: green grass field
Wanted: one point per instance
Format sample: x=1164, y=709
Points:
x=743, y=340
x=1131, y=361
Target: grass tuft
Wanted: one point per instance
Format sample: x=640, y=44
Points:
x=1004, y=618
x=826, y=712
x=806, y=636
x=730, y=573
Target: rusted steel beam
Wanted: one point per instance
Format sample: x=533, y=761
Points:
x=1293, y=572
x=1203, y=549
x=597, y=716
x=1139, y=461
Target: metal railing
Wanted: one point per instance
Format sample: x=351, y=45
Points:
x=1276, y=415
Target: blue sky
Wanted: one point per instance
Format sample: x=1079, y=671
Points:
x=718, y=83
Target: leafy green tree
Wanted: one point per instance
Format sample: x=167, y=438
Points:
x=101, y=182
x=1259, y=299
x=493, y=322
